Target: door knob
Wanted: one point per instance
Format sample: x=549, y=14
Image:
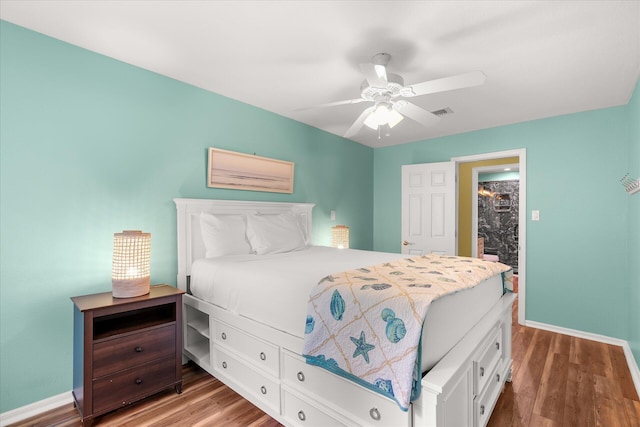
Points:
x=405, y=243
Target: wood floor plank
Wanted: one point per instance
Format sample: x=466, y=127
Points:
x=621, y=372
x=557, y=381
x=633, y=411
x=550, y=400
x=580, y=398
x=527, y=378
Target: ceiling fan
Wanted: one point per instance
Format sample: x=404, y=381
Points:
x=387, y=90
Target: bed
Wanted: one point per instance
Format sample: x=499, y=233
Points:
x=244, y=332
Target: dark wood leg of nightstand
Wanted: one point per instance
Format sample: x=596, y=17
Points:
x=179, y=388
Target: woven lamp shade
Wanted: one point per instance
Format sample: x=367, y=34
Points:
x=131, y=270
x=340, y=236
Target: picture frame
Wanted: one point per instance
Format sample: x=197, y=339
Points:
x=240, y=171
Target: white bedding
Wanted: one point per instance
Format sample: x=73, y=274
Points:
x=274, y=289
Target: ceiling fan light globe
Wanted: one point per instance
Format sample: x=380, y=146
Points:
x=382, y=113
x=371, y=122
x=394, y=118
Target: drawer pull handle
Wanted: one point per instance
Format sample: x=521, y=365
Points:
x=263, y=356
x=497, y=346
x=481, y=409
x=497, y=378
x=138, y=349
x=263, y=390
x=301, y=416
x=481, y=371
x=224, y=365
x=300, y=376
x=138, y=380
x=375, y=414
x=224, y=336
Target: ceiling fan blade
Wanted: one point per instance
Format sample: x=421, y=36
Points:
x=334, y=104
x=474, y=78
x=376, y=75
x=357, y=125
x=416, y=113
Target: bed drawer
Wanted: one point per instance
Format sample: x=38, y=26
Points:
x=483, y=405
x=261, y=354
x=299, y=412
x=487, y=360
x=262, y=387
x=370, y=408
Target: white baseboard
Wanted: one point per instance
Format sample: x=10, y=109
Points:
x=631, y=361
x=35, y=408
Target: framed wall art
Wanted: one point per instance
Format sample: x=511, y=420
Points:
x=240, y=171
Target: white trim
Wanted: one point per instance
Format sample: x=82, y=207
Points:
x=631, y=361
x=36, y=408
x=521, y=153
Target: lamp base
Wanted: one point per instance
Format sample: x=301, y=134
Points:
x=130, y=288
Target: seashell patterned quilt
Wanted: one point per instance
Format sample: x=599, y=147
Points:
x=366, y=324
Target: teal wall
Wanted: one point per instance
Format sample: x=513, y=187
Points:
x=498, y=176
x=634, y=225
x=577, y=260
x=91, y=146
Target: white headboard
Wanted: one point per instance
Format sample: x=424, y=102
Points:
x=190, y=244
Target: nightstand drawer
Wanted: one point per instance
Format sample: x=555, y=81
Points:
x=125, y=352
x=125, y=387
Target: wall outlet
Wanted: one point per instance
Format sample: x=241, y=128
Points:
x=333, y=215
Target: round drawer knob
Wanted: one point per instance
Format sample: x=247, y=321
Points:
x=375, y=414
x=301, y=416
x=138, y=380
x=224, y=365
x=263, y=356
x=263, y=390
x=300, y=376
x=138, y=349
x=224, y=336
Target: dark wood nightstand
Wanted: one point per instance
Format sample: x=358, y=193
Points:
x=125, y=349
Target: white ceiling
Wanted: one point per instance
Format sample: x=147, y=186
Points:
x=541, y=58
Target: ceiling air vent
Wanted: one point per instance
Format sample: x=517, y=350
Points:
x=443, y=112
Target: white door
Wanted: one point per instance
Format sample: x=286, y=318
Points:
x=429, y=208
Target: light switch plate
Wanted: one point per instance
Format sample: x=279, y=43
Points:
x=535, y=215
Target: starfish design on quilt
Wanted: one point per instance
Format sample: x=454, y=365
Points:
x=362, y=348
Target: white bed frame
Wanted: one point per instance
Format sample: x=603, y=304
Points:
x=264, y=365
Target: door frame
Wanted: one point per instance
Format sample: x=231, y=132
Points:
x=521, y=153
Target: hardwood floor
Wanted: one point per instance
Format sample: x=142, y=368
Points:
x=558, y=380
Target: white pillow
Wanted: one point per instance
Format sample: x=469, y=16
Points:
x=224, y=235
x=272, y=234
